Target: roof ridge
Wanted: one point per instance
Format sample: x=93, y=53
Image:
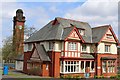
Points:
x=70, y=19
x=101, y=26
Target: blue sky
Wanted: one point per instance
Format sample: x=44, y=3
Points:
x=38, y=14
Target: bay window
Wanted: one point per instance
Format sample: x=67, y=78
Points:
x=108, y=64
x=71, y=66
x=75, y=66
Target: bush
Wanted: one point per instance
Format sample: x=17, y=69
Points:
x=118, y=76
x=62, y=76
x=69, y=76
x=112, y=77
x=77, y=76
x=99, y=77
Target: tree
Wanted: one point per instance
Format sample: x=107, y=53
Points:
x=28, y=31
x=7, y=50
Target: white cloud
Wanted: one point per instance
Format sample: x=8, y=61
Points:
x=97, y=13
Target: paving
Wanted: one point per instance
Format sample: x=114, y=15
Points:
x=18, y=74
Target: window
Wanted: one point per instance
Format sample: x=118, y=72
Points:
x=107, y=48
x=111, y=66
x=82, y=66
x=30, y=46
x=92, y=66
x=109, y=36
x=61, y=66
x=46, y=66
x=82, y=32
x=51, y=44
x=25, y=47
x=87, y=63
x=84, y=48
x=72, y=46
x=104, y=67
x=71, y=66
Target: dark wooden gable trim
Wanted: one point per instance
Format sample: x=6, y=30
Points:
x=109, y=28
x=76, y=30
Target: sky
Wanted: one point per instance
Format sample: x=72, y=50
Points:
x=38, y=14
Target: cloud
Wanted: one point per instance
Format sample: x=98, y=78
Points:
x=96, y=13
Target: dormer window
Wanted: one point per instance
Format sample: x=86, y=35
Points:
x=109, y=36
x=82, y=32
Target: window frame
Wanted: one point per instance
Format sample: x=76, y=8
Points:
x=108, y=50
x=72, y=46
x=84, y=45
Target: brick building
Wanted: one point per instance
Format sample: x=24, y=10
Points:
x=69, y=47
x=18, y=38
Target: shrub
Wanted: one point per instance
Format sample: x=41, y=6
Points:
x=77, y=76
x=99, y=77
x=118, y=76
x=112, y=77
x=69, y=76
x=62, y=76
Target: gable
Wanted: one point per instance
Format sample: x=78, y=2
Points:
x=109, y=36
x=73, y=35
x=35, y=54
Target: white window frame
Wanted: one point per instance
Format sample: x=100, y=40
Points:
x=104, y=64
x=72, y=46
x=108, y=48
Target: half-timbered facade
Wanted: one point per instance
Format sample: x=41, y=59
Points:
x=69, y=47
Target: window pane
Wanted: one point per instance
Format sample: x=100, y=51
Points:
x=84, y=47
x=92, y=65
x=72, y=46
x=107, y=48
x=87, y=63
x=104, y=66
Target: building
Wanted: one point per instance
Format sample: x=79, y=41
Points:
x=118, y=58
x=69, y=47
x=18, y=38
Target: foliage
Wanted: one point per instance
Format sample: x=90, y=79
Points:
x=7, y=49
x=8, y=52
x=112, y=77
x=28, y=31
x=99, y=77
x=70, y=76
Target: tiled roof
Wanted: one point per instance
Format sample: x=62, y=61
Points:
x=108, y=58
x=42, y=54
x=20, y=57
x=56, y=32
x=98, y=33
x=87, y=56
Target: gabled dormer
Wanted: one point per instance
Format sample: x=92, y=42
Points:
x=73, y=34
x=109, y=36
